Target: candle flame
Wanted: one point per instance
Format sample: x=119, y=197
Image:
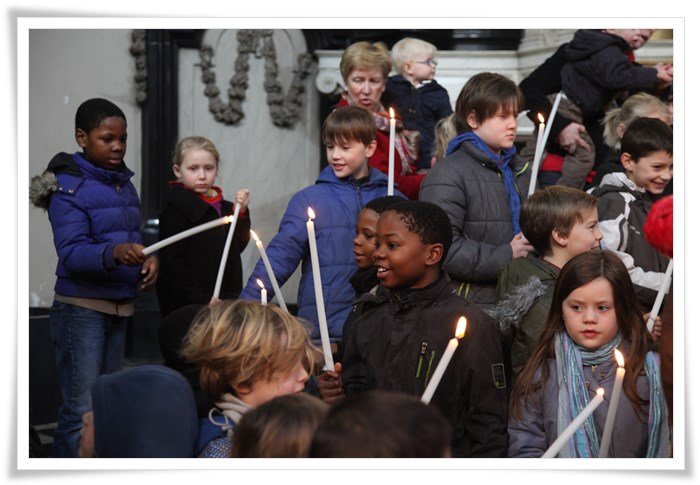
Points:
x=541, y=118
x=461, y=327
x=255, y=236
x=600, y=391
x=260, y=283
x=312, y=214
x=391, y=113
x=620, y=359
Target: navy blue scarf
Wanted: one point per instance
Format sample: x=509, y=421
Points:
x=503, y=163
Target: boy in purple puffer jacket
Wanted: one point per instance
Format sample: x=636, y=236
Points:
x=95, y=216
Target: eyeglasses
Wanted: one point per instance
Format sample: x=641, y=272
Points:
x=429, y=62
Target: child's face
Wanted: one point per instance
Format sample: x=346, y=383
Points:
x=652, y=172
x=349, y=158
x=365, y=235
x=498, y=132
x=365, y=87
x=589, y=314
x=401, y=258
x=584, y=236
x=422, y=68
x=105, y=145
x=632, y=36
x=281, y=384
x=197, y=171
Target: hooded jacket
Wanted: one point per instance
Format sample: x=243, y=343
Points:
x=188, y=268
x=598, y=70
x=91, y=210
x=468, y=187
x=396, y=345
x=622, y=211
x=524, y=292
x=337, y=204
x=420, y=109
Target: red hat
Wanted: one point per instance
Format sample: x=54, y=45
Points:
x=658, y=229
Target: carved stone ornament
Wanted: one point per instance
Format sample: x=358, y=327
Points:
x=138, y=51
x=284, y=109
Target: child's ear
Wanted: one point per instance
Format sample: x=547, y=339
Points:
x=81, y=138
x=242, y=389
x=176, y=171
x=472, y=121
x=371, y=148
x=626, y=161
x=408, y=68
x=620, y=130
x=434, y=254
x=560, y=238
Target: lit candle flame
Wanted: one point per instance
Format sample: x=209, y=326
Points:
x=620, y=359
x=312, y=214
x=541, y=118
x=461, y=327
x=600, y=391
x=255, y=236
x=391, y=113
x=260, y=283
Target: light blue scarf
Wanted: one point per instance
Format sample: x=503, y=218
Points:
x=573, y=397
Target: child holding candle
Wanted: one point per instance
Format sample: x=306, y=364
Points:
x=480, y=184
x=396, y=345
x=341, y=190
x=593, y=312
x=190, y=267
x=415, y=94
x=95, y=216
x=626, y=197
x=247, y=354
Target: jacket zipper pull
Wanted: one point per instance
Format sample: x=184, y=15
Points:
x=423, y=348
x=119, y=189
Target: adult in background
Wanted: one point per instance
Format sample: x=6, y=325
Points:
x=365, y=69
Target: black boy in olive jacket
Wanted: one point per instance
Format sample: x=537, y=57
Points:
x=189, y=267
x=396, y=344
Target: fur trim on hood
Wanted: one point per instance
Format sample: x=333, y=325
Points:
x=509, y=311
x=42, y=186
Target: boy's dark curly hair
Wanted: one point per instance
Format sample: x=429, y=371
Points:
x=428, y=221
x=93, y=111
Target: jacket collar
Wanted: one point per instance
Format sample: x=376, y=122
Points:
x=121, y=175
x=376, y=178
x=191, y=205
x=404, y=299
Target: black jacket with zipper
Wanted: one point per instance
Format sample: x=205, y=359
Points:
x=397, y=344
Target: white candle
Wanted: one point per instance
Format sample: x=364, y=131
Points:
x=224, y=256
x=185, y=234
x=270, y=273
x=263, y=292
x=539, y=149
x=575, y=424
x=612, y=410
x=392, y=142
x=318, y=291
x=665, y=284
x=552, y=114
x=444, y=361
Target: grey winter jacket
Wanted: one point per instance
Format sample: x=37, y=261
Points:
x=468, y=187
x=536, y=430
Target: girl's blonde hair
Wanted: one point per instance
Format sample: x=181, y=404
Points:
x=239, y=342
x=639, y=105
x=363, y=55
x=194, y=142
x=445, y=131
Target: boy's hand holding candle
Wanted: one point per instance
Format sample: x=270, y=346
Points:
x=130, y=254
